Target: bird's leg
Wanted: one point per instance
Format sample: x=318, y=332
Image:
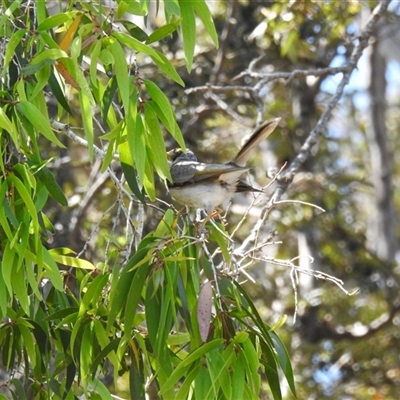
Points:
x=200, y=224
x=212, y=215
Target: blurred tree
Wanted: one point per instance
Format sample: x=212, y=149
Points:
x=98, y=78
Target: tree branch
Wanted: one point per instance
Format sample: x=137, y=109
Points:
x=285, y=179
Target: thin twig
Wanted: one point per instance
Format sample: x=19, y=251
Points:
x=305, y=203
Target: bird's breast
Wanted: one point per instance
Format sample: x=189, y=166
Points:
x=203, y=195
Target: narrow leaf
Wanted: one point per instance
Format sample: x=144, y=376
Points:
x=163, y=31
x=55, y=20
x=188, y=31
x=58, y=92
x=73, y=262
x=7, y=125
x=69, y=35
x=39, y=122
x=204, y=13
x=190, y=359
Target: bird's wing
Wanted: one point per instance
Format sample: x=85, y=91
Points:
x=193, y=171
x=225, y=172
x=183, y=171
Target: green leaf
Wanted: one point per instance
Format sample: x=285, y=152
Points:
x=7, y=125
x=249, y=359
x=56, y=20
x=188, y=31
x=72, y=261
x=203, y=385
x=100, y=388
x=8, y=13
x=20, y=289
x=121, y=73
x=163, y=31
x=58, y=92
x=48, y=39
x=27, y=199
x=219, y=368
x=104, y=341
x=34, y=69
x=203, y=12
x=135, y=31
x=134, y=7
x=86, y=112
x=129, y=171
x=148, y=180
x=47, y=178
x=161, y=61
x=120, y=288
x=160, y=316
x=107, y=99
x=49, y=54
x=290, y=46
x=21, y=394
x=10, y=215
x=52, y=270
x=4, y=295
x=9, y=256
x=39, y=122
x=221, y=240
x=121, y=9
x=137, y=147
x=238, y=379
x=28, y=342
x=165, y=66
x=42, y=80
x=92, y=294
x=162, y=101
x=134, y=44
x=12, y=44
x=85, y=352
x=171, y=8
x=136, y=374
x=284, y=361
x=133, y=297
x=186, y=385
x=173, y=128
x=93, y=64
x=190, y=359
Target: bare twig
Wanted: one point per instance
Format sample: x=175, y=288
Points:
x=66, y=130
x=304, y=203
x=289, y=76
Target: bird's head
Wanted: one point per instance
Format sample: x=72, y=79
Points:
x=178, y=155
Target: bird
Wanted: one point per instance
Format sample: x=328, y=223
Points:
x=208, y=186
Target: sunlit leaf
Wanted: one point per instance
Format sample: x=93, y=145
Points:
x=156, y=149
x=163, y=31
x=86, y=113
x=56, y=20
x=201, y=9
x=72, y=261
x=188, y=31
x=8, y=126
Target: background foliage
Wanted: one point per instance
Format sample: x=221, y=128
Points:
x=91, y=95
